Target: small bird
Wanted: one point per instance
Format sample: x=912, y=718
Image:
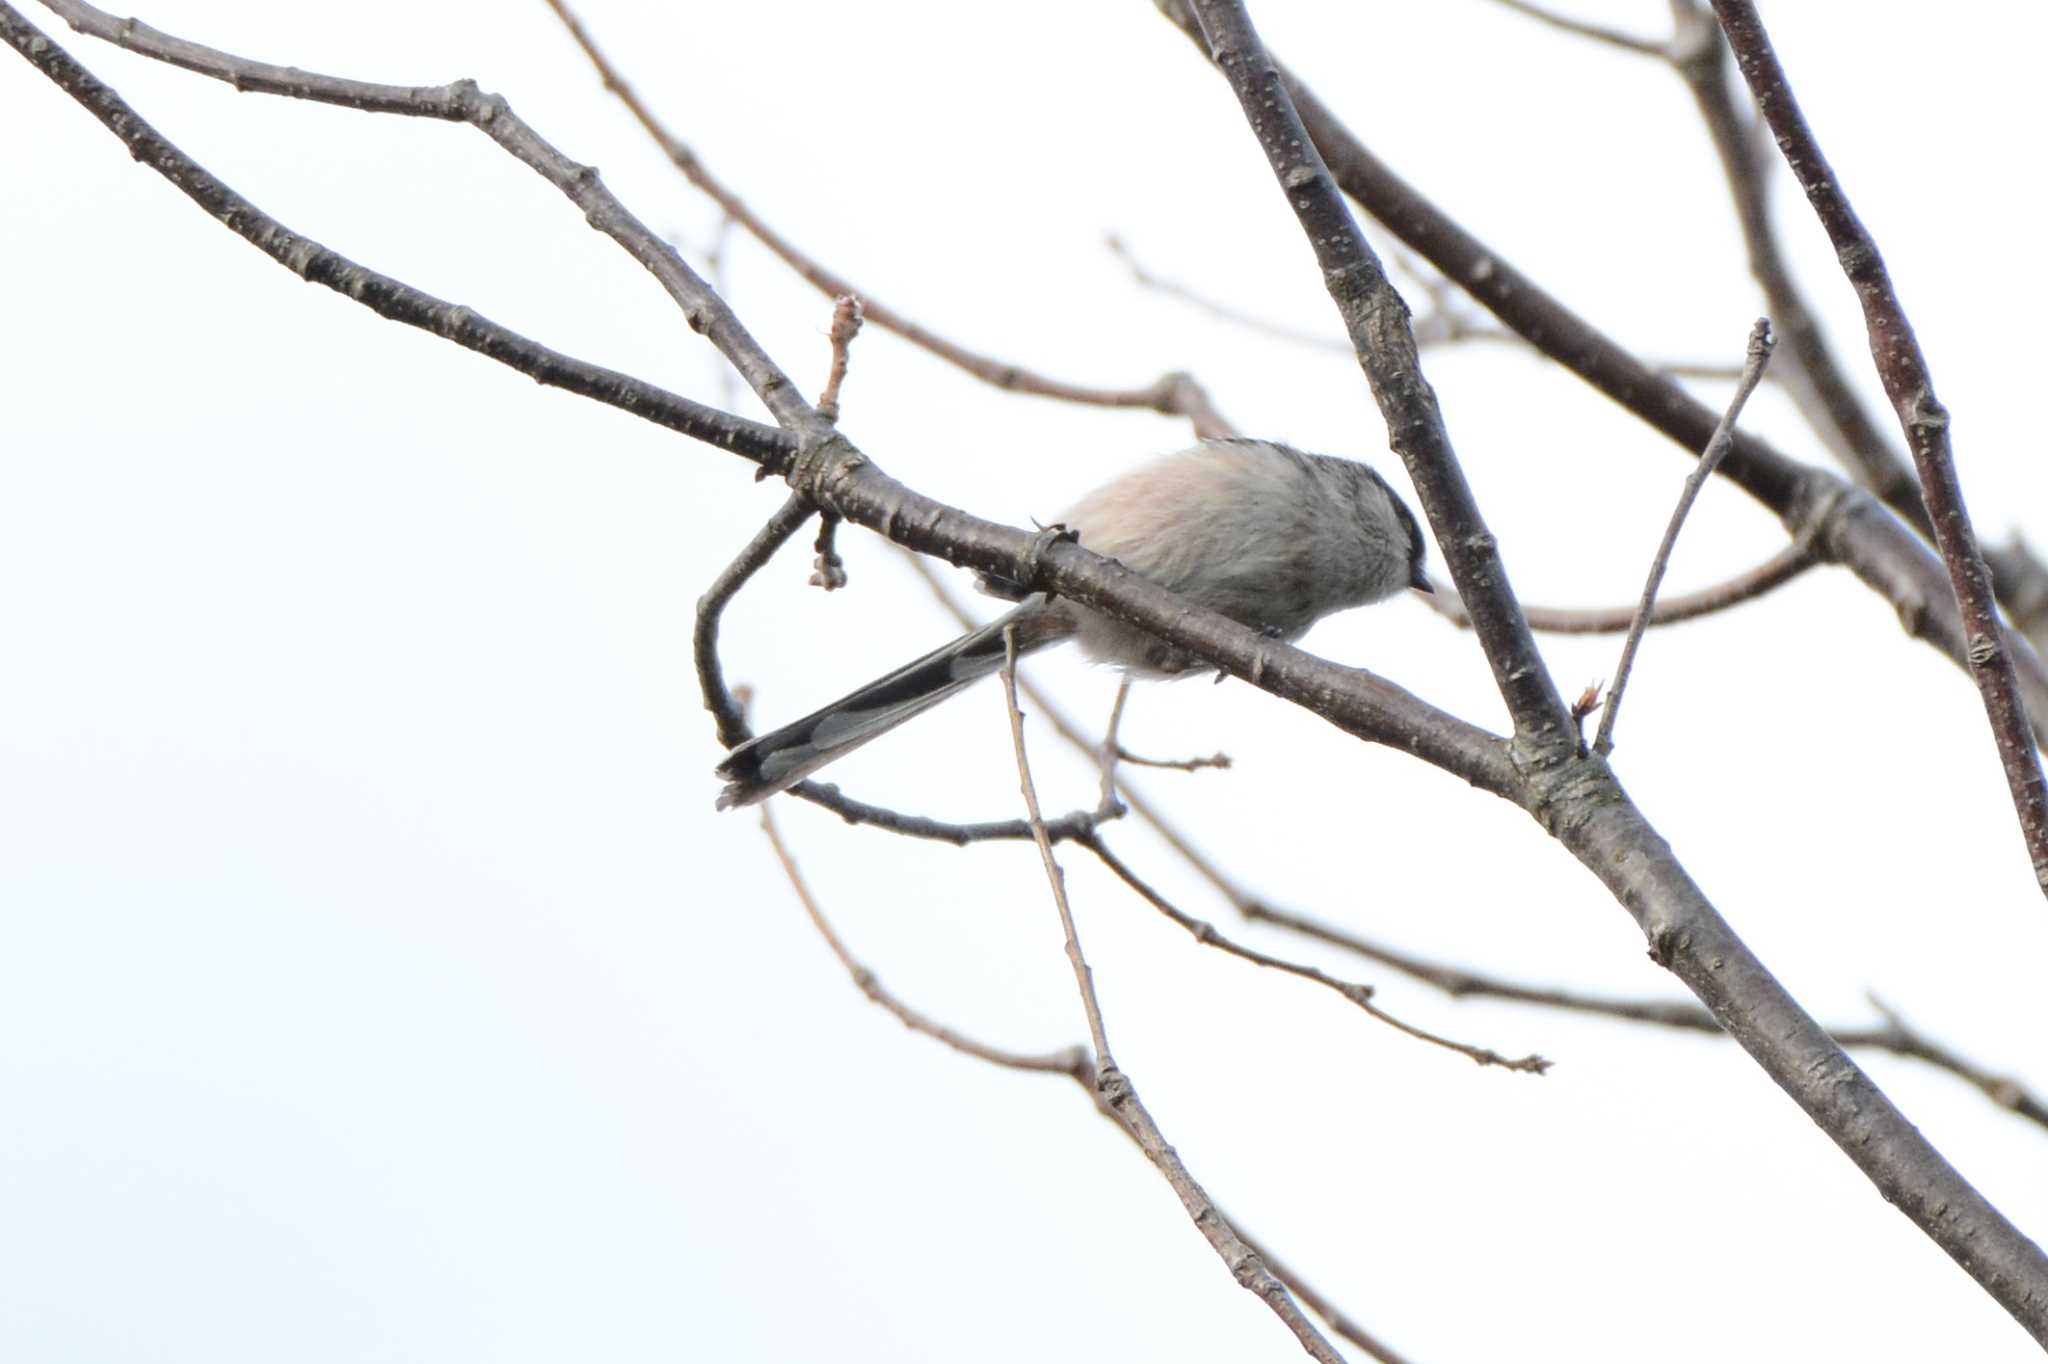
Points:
x=1268, y=535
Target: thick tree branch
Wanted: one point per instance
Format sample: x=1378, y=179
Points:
x=1376, y=320
x=1903, y=369
x=1862, y=536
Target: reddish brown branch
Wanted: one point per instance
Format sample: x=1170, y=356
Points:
x=1903, y=370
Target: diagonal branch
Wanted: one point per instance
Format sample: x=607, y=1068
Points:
x=1896, y=1037
x=1860, y=534
x=1903, y=369
x=1206, y=934
x=1376, y=320
x=1121, y=1095
x=1177, y=394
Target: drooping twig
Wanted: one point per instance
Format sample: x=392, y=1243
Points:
x=1073, y=1062
x=1781, y=568
x=726, y=712
x=732, y=725
x=1207, y=934
x=1757, y=357
x=1222, y=312
x=1122, y=1097
x=1903, y=370
x=1578, y=801
x=1176, y=394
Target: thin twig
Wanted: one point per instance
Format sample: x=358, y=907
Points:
x=1073, y=1062
x=457, y=102
x=1084, y=977
x=1903, y=369
x=1207, y=934
x=1122, y=1096
x=726, y=712
x=1176, y=394
x=1215, y=760
x=1781, y=568
x=1613, y=37
x=1067, y=1061
x=846, y=320
x=1757, y=357
x=1895, y=1038
x=1222, y=312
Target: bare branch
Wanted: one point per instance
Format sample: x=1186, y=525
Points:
x=1867, y=540
x=1073, y=1062
x=1612, y=37
x=461, y=102
x=1122, y=1097
x=1815, y=378
x=1908, y=384
x=1376, y=320
x=1757, y=357
x=1460, y=982
x=1222, y=312
x=1070, y=1061
x=1207, y=934
x=718, y=699
x=1781, y=568
x=1176, y=394
x=846, y=320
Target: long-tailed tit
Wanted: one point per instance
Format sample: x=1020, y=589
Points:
x=1267, y=535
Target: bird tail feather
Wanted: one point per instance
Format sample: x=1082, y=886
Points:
x=780, y=759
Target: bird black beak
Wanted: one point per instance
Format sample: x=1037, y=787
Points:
x=1420, y=582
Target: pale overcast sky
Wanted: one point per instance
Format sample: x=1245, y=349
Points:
x=378, y=982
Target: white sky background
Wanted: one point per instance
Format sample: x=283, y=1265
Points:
x=378, y=982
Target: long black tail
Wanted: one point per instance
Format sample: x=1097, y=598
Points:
x=778, y=760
